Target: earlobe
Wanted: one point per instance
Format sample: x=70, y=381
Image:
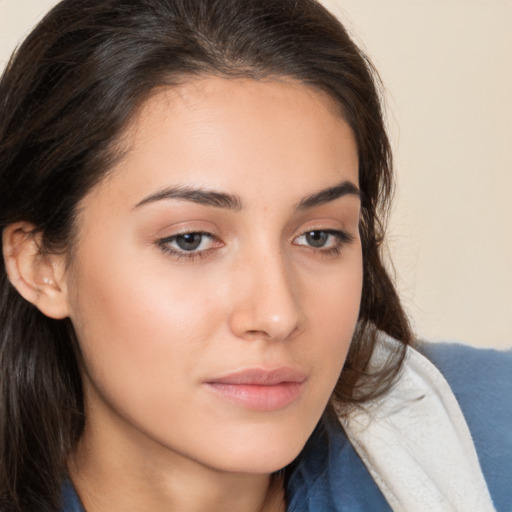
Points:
x=39, y=277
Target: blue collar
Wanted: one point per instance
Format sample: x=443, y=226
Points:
x=70, y=500
x=329, y=475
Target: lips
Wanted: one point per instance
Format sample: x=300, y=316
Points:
x=260, y=389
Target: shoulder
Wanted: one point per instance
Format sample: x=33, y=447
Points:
x=481, y=380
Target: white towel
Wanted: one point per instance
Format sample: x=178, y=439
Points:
x=416, y=444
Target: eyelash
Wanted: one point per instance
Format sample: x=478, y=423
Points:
x=164, y=245
x=341, y=239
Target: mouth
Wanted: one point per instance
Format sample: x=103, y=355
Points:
x=260, y=389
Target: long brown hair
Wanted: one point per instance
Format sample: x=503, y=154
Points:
x=66, y=96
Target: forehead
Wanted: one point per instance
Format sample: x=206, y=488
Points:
x=236, y=135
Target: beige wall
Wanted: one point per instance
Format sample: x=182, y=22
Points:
x=447, y=67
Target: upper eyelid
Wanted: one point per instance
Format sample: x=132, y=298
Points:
x=337, y=233
x=189, y=232
x=186, y=229
x=331, y=221
x=333, y=231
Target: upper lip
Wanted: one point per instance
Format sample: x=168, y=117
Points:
x=261, y=377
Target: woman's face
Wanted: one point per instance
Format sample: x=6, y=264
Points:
x=217, y=274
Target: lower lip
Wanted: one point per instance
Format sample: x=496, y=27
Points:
x=258, y=397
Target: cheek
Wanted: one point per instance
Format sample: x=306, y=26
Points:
x=137, y=328
x=144, y=341
x=333, y=297
x=332, y=303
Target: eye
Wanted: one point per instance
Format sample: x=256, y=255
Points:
x=324, y=240
x=316, y=238
x=189, y=241
x=188, y=245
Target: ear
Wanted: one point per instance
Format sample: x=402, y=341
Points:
x=39, y=277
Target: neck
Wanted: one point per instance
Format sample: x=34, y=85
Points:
x=110, y=475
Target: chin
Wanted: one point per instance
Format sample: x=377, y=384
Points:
x=261, y=456
x=260, y=464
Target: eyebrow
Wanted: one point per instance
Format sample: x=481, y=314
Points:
x=329, y=194
x=196, y=195
x=234, y=202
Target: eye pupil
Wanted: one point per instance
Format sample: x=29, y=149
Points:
x=316, y=238
x=189, y=241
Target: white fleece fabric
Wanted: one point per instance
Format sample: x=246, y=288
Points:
x=416, y=444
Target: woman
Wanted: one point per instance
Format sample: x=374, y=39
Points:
x=193, y=297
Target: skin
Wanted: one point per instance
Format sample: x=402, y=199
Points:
x=155, y=325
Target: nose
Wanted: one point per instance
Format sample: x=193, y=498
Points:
x=266, y=300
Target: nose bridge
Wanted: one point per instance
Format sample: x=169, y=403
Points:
x=267, y=301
